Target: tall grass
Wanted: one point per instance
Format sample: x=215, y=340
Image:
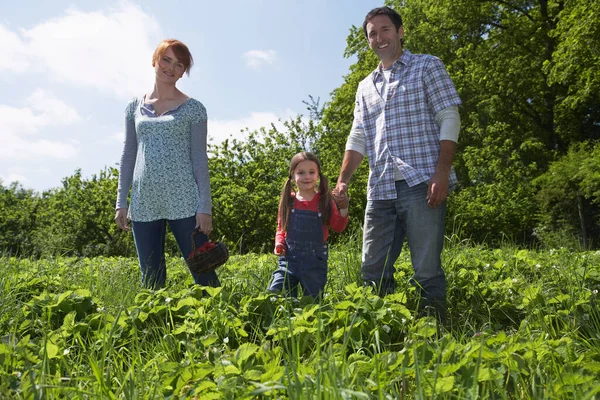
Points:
x=521, y=325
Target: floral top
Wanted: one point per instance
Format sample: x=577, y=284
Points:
x=165, y=163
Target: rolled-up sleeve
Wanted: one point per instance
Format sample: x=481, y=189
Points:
x=449, y=122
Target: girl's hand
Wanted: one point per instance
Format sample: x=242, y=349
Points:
x=204, y=223
x=280, y=250
x=121, y=219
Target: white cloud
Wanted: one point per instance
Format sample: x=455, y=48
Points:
x=14, y=51
x=52, y=110
x=13, y=177
x=257, y=58
x=219, y=130
x=21, y=125
x=110, y=51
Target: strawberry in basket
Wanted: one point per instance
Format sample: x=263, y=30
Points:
x=207, y=246
x=207, y=257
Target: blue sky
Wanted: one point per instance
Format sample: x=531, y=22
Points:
x=68, y=69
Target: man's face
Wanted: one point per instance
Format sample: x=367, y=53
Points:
x=384, y=39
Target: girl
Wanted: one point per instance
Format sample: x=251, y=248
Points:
x=301, y=239
x=165, y=164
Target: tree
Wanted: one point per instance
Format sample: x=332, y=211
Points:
x=78, y=218
x=569, y=198
x=576, y=65
x=18, y=207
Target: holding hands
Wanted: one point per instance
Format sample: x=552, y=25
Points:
x=340, y=195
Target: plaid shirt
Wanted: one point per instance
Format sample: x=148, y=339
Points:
x=400, y=131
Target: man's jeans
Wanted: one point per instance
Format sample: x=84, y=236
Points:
x=150, y=244
x=387, y=223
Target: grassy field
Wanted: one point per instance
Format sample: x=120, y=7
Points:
x=522, y=325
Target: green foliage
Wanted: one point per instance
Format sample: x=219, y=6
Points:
x=18, y=208
x=569, y=196
x=78, y=218
x=576, y=66
x=498, y=201
x=522, y=324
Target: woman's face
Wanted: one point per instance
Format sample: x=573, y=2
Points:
x=168, y=68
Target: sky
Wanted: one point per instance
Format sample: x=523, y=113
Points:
x=69, y=68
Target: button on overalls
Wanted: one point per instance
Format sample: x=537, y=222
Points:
x=305, y=261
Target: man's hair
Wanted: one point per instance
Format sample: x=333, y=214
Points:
x=390, y=12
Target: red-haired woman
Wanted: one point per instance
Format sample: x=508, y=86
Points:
x=165, y=164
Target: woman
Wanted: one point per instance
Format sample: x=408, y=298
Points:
x=164, y=161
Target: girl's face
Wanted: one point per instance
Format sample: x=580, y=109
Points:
x=306, y=175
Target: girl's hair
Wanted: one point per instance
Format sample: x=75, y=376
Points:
x=179, y=48
x=325, y=197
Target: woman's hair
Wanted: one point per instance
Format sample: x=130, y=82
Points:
x=179, y=48
x=325, y=197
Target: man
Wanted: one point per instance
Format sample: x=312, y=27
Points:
x=406, y=121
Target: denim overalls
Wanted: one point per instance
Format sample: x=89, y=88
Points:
x=305, y=261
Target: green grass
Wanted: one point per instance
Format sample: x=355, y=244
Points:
x=522, y=325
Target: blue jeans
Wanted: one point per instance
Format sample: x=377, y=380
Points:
x=150, y=244
x=305, y=261
x=387, y=223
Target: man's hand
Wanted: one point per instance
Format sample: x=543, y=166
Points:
x=121, y=219
x=204, y=223
x=437, y=191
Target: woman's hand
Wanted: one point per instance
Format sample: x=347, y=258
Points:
x=204, y=223
x=121, y=219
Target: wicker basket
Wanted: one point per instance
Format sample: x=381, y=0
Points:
x=208, y=257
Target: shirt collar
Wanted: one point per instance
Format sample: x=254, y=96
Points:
x=404, y=59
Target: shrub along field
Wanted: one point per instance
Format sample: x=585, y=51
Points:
x=522, y=325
